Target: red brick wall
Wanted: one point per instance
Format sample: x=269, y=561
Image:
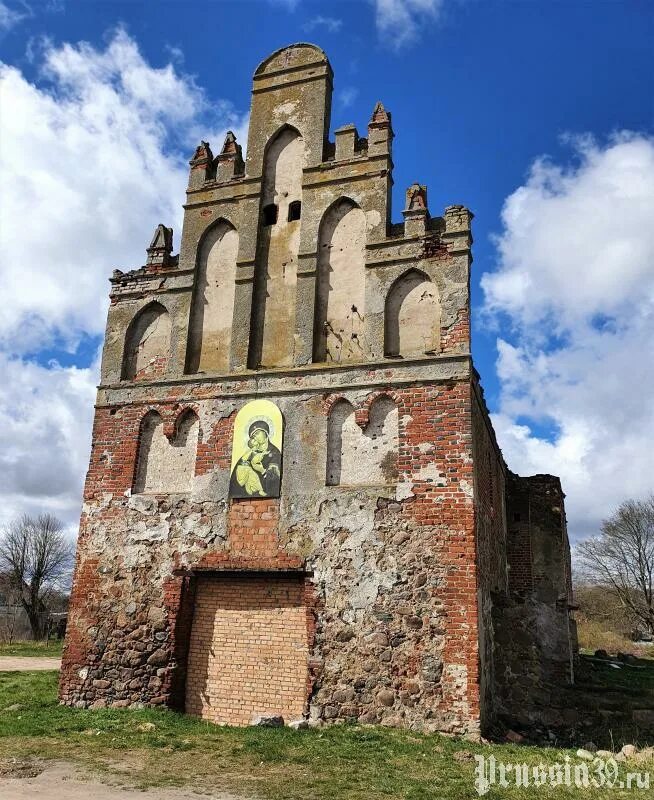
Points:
x=442, y=415
x=456, y=338
x=519, y=555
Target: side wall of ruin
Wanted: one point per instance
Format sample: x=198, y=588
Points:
x=490, y=528
x=535, y=641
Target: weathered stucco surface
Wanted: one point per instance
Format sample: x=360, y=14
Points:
x=365, y=457
x=210, y=329
x=146, y=344
x=341, y=285
x=392, y=521
x=165, y=465
x=274, y=320
x=412, y=317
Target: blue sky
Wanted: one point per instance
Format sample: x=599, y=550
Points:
x=536, y=115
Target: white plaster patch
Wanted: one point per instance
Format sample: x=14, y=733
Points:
x=341, y=285
x=404, y=490
x=432, y=474
x=373, y=219
x=148, y=341
x=165, y=466
x=412, y=316
x=467, y=488
x=142, y=533
x=284, y=112
x=213, y=300
x=426, y=447
x=362, y=458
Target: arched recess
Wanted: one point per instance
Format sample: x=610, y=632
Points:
x=273, y=309
x=212, y=310
x=340, y=284
x=341, y=412
x=412, y=316
x=147, y=344
x=358, y=457
x=165, y=466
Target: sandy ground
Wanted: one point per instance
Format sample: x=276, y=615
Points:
x=27, y=663
x=62, y=782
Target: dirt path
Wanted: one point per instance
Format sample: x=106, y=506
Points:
x=28, y=663
x=62, y=782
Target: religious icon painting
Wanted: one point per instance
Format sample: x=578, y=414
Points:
x=257, y=451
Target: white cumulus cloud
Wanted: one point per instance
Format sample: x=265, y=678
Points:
x=45, y=416
x=399, y=21
x=92, y=156
x=574, y=292
x=90, y=165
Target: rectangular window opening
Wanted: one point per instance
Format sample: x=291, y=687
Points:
x=270, y=214
x=294, y=210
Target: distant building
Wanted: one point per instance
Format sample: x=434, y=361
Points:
x=296, y=504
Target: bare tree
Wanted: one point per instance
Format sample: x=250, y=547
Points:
x=11, y=610
x=37, y=557
x=621, y=558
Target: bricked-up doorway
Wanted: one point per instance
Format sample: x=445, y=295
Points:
x=248, y=653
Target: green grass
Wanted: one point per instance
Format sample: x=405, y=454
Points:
x=50, y=649
x=635, y=679
x=333, y=763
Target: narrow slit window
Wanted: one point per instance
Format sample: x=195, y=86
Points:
x=270, y=214
x=294, y=210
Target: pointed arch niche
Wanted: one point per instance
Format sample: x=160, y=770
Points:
x=358, y=457
x=412, y=316
x=165, y=466
x=273, y=312
x=212, y=310
x=340, y=284
x=147, y=344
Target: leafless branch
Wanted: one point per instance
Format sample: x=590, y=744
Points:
x=36, y=557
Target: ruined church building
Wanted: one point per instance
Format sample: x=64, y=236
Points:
x=295, y=503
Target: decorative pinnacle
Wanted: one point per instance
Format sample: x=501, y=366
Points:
x=202, y=155
x=379, y=115
x=230, y=146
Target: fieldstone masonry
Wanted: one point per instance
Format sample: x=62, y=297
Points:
x=387, y=581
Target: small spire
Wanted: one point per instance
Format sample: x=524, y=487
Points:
x=202, y=155
x=161, y=247
x=230, y=147
x=416, y=197
x=379, y=115
x=229, y=162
